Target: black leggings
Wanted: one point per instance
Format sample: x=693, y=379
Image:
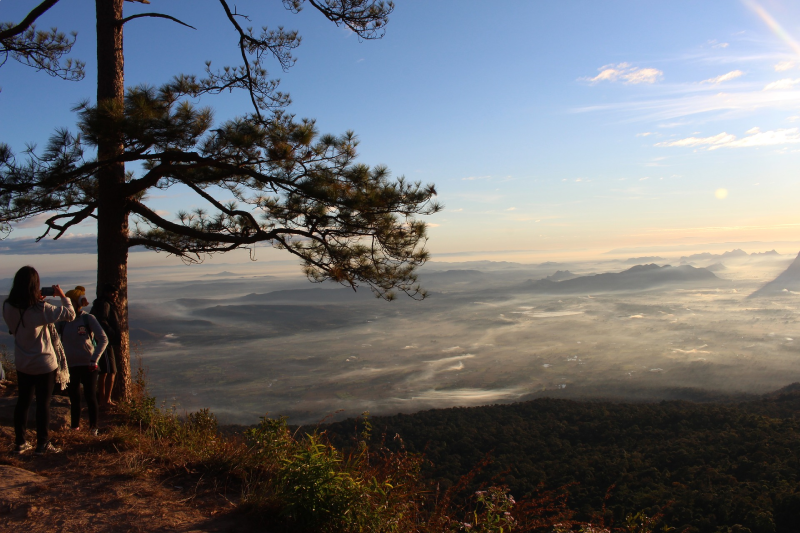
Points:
x=78, y=375
x=43, y=385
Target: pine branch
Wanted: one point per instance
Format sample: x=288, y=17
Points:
x=153, y=244
x=153, y=15
x=75, y=218
x=28, y=21
x=186, y=231
x=367, y=18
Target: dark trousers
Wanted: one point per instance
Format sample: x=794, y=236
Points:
x=42, y=385
x=80, y=375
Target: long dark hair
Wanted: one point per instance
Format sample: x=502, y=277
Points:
x=25, y=291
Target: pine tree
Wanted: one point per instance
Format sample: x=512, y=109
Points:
x=286, y=185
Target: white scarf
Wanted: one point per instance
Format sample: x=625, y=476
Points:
x=62, y=372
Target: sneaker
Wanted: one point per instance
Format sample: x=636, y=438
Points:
x=93, y=432
x=22, y=448
x=47, y=449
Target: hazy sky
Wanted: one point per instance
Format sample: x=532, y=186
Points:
x=557, y=126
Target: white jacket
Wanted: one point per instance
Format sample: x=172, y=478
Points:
x=33, y=349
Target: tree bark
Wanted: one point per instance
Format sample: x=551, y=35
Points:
x=112, y=209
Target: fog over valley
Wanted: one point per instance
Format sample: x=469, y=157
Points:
x=244, y=344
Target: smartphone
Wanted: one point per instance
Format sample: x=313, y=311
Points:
x=48, y=291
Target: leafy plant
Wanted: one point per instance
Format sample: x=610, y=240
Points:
x=492, y=513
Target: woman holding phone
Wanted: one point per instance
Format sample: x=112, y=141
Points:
x=28, y=317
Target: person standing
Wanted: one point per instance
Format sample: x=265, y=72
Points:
x=104, y=309
x=29, y=320
x=84, y=342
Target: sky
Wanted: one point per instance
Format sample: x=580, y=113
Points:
x=551, y=129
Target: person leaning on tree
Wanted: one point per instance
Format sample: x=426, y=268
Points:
x=29, y=319
x=104, y=309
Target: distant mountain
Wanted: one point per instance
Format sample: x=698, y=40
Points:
x=643, y=260
x=789, y=280
x=223, y=273
x=453, y=275
x=285, y=319
x=716, y=267
x=639, y=277
x=734, y=253
x=707, y=255
x=561, y=275
x=314, y=295
x=144, y=336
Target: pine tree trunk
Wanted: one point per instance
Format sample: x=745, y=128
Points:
x=112, y=210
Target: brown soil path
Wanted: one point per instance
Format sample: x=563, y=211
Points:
x=95, y=485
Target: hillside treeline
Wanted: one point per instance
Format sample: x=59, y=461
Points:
x=710, y=467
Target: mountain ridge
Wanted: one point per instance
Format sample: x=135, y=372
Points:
x=786, y=282
x=638, y=277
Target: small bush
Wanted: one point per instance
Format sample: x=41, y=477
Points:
x=318, y=487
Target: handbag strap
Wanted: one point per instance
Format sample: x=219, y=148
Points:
x=19, y=323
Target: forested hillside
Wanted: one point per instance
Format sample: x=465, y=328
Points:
x=709, y=466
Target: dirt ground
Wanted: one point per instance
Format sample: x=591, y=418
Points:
x=95, y=486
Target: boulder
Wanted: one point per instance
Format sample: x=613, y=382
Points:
x=16, y=482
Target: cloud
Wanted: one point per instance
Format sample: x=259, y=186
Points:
x=784, y=65
x=36, y=221
x=511, y=209
x=453, y=349
x=755, y=137
x=719, y=139
x=645, y=75
x=476, y=178
x=786, y=83
x=673, y=110
x=732, y=75
x=68, y=244
x=645, y=134
x=626, y=73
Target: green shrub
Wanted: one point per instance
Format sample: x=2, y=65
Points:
x=319, y=488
